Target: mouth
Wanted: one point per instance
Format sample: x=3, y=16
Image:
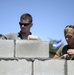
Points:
x=22, y=28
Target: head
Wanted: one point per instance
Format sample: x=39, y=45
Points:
x=25, y=22
x=69, y=34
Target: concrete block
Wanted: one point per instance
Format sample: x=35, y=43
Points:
x=70, y=67
x=49, y=67
x=6, y=48
x=14, y=67
x=32, y=49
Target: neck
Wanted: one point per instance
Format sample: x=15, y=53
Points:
x=72, y=46
x=25, y=34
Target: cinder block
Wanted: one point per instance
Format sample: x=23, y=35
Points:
x=6, y=48
x=32, y=49
x=49, y=67
x=70, y=67
x=14, y=67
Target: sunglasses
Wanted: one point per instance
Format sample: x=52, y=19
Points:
x=25, y=24
x=71, y=26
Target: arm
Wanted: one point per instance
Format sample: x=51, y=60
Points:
x=56, y=56
x=58, y=53
x=70, y=51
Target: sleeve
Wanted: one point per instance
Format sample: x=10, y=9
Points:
x=59, y=51
x=8, y=35
x=11, y=36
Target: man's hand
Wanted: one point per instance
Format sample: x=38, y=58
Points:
x=65, y=56
x=70, y=51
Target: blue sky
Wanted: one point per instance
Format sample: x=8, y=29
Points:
x=49, y=16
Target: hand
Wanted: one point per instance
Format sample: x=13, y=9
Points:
x=65, y=56
x=70, y=51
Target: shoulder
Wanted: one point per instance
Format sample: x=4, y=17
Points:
x=11, y=36
x=59, y=51
x=2, y=37
x=62, y=50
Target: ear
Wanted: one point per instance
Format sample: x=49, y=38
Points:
x=31, y=24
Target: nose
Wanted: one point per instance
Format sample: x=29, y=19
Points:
x=68, y=39
x=22, y=25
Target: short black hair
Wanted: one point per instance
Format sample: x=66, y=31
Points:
x=26, y=16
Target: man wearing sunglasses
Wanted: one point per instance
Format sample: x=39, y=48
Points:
x=25, y=26
x=67, y=51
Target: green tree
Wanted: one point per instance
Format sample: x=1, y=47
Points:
x=52, y=51
x=51, y=46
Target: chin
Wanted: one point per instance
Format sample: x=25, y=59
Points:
x=23, y=30
x=70, y=44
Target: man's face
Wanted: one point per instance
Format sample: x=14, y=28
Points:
x=25, y=26
x=69, y=36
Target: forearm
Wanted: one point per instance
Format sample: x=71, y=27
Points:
x=56, y=56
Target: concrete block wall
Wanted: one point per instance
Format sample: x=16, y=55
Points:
x=32, y=49
x=31, y=57
x=6, y=48
x=14, y=67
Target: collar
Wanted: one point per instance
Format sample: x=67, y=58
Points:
x=20, y=34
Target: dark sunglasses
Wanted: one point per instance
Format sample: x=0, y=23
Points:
x=25, y=24
x=71, y=26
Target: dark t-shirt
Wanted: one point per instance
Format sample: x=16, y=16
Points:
x=63, y=50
